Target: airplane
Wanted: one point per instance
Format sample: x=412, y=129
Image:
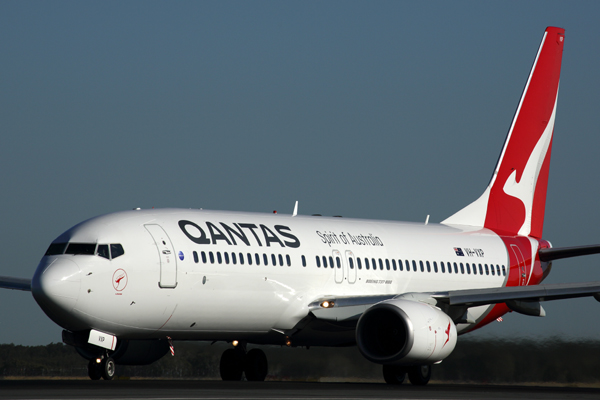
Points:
x=125, y=284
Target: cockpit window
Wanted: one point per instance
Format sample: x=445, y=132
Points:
x=103, y=251
x=81, y=248
x=116, y=250
x=55, y=249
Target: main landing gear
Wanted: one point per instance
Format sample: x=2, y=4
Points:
x=236, y=361
x=102, y=367
x=418, y=375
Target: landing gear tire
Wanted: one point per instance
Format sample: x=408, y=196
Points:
x=108, y=368
x=419, y=375
x=94, y=370
x=394, y=375
x=256, y=365
x=232, y=365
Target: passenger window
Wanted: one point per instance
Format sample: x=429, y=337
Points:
x=492, y=269
x=480, y=270
x=358, y=263
x=325, y=262
x=289, y=261
x=498, y=270
x=366, y=263
x=468, y=269
x=374, y=263
x=226, y=254
x=233, y=258
x=338, y=262
x=414, y=266
x=455, y=268
x=400, y=265
x=195, y=254
x=407, y=264
x=249, y=258
x=351, y=263
x=443, y=268
x=387, y=264
x=331, y=261
x=219, y=258
x=428, y=266
x=487, y=271
x=281, y=260
x=265, y=259
x=242, y=258
x=462, y=268
x=273, y=260
x=421, y=265
x=212, y=257
x=203, y=255
x=56, y=249
x=474, y=269
x=103, y=251
x=318, y=262
x=435, y=267
x=380, y=264
x=503, y=270
x=81, y=248
x=257, y=258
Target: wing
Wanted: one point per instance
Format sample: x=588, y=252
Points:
x=522, y=299
x=7, y=282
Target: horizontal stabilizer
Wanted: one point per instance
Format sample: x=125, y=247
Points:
x=568, y=252
x=7, y=282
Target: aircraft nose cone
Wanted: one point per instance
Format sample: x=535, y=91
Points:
x=55, y=287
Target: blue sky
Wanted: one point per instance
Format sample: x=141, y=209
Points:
x=387, y=110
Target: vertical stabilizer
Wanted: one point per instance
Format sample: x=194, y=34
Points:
x=515, y=200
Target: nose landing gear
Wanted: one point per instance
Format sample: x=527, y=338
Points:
x=236, y=362
x=102, y=367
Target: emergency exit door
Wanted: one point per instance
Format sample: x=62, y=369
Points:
x=166, y=254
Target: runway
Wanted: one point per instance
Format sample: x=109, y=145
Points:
x=196, y=389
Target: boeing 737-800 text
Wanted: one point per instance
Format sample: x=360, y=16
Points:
x=123, y=284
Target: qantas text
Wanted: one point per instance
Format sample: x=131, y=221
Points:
x=242, y=232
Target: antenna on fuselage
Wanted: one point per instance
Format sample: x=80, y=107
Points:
x=295, y=209
x=427, y=219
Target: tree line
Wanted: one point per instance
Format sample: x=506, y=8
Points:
x=474, y=360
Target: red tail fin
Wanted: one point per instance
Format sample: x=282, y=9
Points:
x=515, y=199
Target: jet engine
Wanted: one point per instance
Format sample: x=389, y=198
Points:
x=405, y=332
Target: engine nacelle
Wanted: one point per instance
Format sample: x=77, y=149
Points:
x=405, y=332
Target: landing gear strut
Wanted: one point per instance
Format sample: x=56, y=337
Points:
x=236, y=362
x=418, y=375
x=102, y=367
x=394, y=375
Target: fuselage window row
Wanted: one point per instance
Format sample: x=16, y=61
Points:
x=233, y=258
x=329, y=261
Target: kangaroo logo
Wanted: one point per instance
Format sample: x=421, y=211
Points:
x=119, y=280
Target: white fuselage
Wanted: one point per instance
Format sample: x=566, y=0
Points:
x=166, y=285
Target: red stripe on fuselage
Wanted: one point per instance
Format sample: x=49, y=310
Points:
x=515, y=247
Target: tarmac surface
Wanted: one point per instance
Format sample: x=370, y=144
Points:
x=197, y=389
